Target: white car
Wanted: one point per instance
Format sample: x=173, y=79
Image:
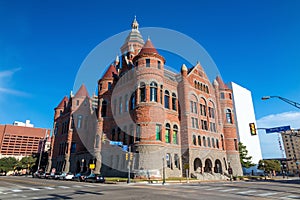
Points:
x=66, y=176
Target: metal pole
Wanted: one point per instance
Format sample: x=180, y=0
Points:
x=129, y=150
x=164, y=175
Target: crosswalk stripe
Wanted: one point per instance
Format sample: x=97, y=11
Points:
x=49, y=188
x=64, y=187
x=246, y=192
x=215, y=188
x=228, y=190
x=34, y=189
x=90, y=186
x=267, y=194
x=17, y=190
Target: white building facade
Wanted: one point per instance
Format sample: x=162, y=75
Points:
x=244, y=112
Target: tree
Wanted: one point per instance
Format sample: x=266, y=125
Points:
x=8, y=164
x=27, y=162
x=269, y=165
x=244, y=158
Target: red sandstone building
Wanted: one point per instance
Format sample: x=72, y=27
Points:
x=20, y=141
x=171, y=121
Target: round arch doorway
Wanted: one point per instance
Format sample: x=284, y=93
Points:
x=218, y=166
x=208, y=166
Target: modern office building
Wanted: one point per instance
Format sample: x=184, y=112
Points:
x=19, y=141
x=169, y=121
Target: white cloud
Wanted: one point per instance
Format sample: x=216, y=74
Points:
x=7, y=74
x=270, y=143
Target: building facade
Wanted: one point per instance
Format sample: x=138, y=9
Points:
x=291, y=143
x=172, y=123
x=20, y=141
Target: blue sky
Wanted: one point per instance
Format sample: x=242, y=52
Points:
x=255, y=44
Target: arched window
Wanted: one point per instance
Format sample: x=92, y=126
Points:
x=120, y=105
x=213, y=142
x=208, y=142
x=167, y=97
x=132, y=101
x=194, y=140
x=195, y=82
x=217, y=143
x=119, y=135
x=199, y=140
x=158, y=132
x=174, y=107
x=142, y=92
x=175, y=133
x=167, y=133
x=153, y=91
x=126, y=103
x=79, y=121
x=113, y=135
x=204, y=141
x=228, y=116
x=161, y=94
x=103, y=109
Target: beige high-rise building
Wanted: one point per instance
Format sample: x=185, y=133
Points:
x=291, y=142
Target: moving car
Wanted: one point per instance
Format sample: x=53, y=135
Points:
x=66, y=176
x=94, y=178
x=79, y=177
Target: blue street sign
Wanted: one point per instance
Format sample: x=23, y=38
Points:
x=278, y=129
x=125, y=148
x=116, y=143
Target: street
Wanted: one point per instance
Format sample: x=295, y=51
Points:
x=14, y=187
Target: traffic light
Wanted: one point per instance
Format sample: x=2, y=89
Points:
x=252, y=129
x=131, y=155
x=126, y=156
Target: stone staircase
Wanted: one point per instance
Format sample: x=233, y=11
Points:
x=211, y=177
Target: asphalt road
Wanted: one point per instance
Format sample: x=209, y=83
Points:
x=28, y=188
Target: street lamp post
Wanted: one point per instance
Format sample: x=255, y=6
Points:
x=82, y=164
x=293, y=103
x=164, y=174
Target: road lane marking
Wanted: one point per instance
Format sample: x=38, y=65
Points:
x=215, y=188
x=90, y=185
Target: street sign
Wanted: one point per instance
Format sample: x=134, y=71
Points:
x=116, y=143
x=125, y=148
x=92, y=166
x=278, y=129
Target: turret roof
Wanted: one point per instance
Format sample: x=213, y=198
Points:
x=82, y=92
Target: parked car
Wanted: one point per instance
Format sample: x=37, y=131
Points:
x=79, y=176
x=45, y=175
x=66, y=176
x=94, y=178
x=55, y=175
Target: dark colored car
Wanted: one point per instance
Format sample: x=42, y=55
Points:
x=79, y=177
x=94, y=178
x=55, y=175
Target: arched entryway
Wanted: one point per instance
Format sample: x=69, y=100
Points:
x=218, y=166
x=197, y=165
x=208, y=166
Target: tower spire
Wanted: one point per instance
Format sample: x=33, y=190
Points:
x=135, y=24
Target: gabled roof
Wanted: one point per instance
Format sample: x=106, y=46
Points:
x=82, y=92
x=148, y=48
x=63, y=102
x=110, y=72
x=222, y=85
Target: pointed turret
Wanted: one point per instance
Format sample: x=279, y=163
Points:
x=82, y=92
x=222, y=85
x=110, y=72
x=148, y=48
x=60, y=107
